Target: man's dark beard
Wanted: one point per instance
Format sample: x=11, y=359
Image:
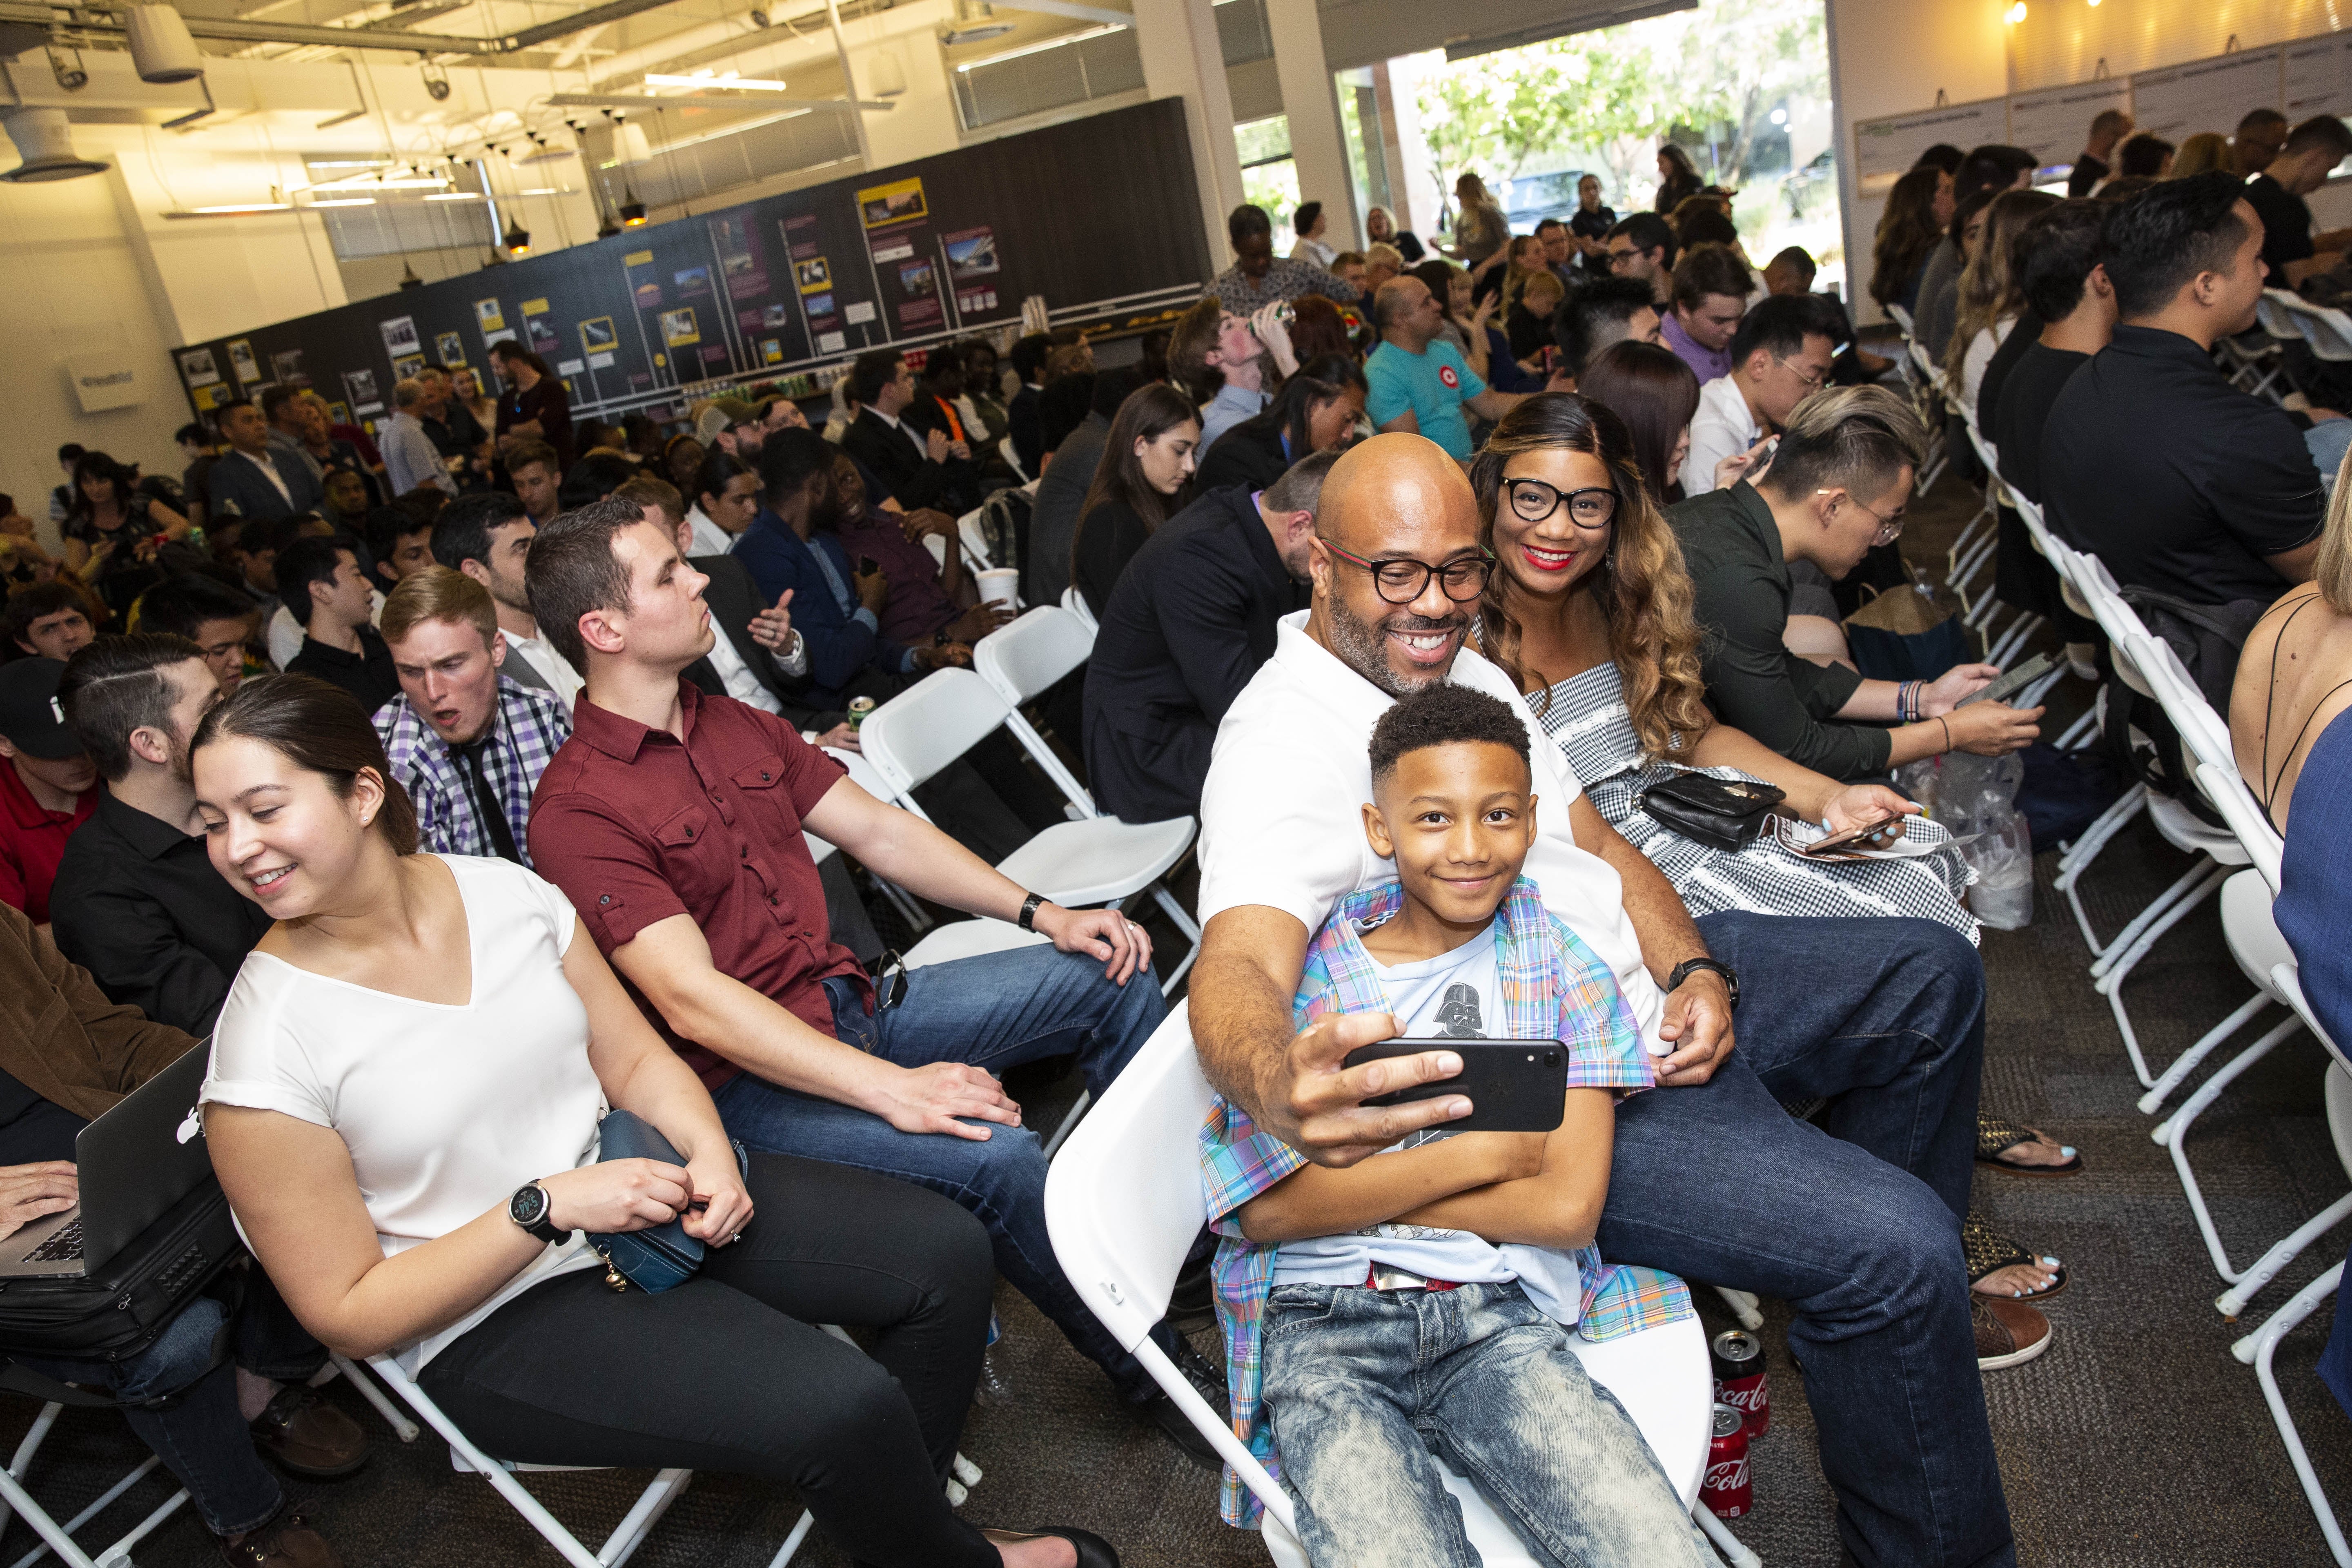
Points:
x=1363, y=646
x=826, y=510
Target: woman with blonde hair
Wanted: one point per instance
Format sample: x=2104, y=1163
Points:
x=1589, y=611
x=1525, y=259
x=1991, y=294
x=2202, y=154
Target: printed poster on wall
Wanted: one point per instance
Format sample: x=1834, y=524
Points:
x=407, y=366
x=2209, y=95
x=399, y=336
x=971, y=261
x=2318, y=77
x=360, y=385
x=1885, y=149
x=677, y=328
x=693, y=282
x=241, y=360
x=198, y=368
x=900, y=201
x=2055, y=125
x=542, y=332
x=812, y=276
x=739, y=256
x=451, y=349
x=644, y=283
x=489, y=316
x=286, y=365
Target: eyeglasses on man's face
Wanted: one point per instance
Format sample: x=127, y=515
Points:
x=1400, y=582
x=1814, y=379
x=1890, y=529
x=1532, y=501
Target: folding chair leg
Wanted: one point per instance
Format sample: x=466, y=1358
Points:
x=405, y=1429
x=1070, y=1122
x=668, y=1485
x=2259, y=1348
x=2081, y=730
x=46, y=1528
x=2163, y=904
x=119, y=1554
x=793, y=1542
x=2112, y=983
x=1183, y=922
x=26, y=1450
x=1743, y=1306
x=1725, y=1543
x=2172, y=1133
x=2232, y=1303
x=2188, y=1060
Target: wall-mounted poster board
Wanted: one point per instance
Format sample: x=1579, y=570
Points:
x=2177, y=103
x=2053, y=125
x=1884, y=149
x=2318, y=77
x=909, y=255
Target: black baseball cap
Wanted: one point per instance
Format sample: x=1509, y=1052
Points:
x=30, y=715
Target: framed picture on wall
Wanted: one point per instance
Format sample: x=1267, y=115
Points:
x=450, y=348
x=241, y=361
x=677, y=328
x=198, y=368
x=597, y=336
x=408, y=365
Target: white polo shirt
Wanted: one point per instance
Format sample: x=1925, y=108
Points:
x=1282, y=814
x=1721, y=427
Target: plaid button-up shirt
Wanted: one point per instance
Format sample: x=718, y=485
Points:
x=527, y=730
x=1553, y=987
x=1284, y=279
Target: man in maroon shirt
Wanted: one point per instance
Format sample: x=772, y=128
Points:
x=673, y=821
x=48, y=787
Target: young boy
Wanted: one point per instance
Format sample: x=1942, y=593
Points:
x=1418, y=1300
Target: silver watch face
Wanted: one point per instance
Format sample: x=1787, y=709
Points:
x=528, y=1206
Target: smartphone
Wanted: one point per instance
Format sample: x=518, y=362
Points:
x=1514, y=1086
x=1865, y=836
x=868, y=566
x=2016, y=680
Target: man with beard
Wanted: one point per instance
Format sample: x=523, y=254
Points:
x=487, y=537
x=466, y=740
x=1710, y=1178
x=137, y=901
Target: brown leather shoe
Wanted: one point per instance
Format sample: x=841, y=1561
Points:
x=2009, y=1333
x=285, y=1542
x=309, y=1435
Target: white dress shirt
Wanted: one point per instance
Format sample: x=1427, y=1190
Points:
x=710, y=538
x=1722, y=427
x=1281, y=815
x=561, y=677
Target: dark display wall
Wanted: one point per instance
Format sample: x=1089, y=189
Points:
x=1098, y=215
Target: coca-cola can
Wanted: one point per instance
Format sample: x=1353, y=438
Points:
x=1727, y=1490
x=1739, y=1379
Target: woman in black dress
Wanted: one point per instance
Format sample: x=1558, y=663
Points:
x=1146, y=460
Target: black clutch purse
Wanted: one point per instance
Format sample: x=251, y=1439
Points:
x=1722, y=814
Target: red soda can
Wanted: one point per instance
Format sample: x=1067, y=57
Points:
x=1726, y=1488
x=1739, y=1379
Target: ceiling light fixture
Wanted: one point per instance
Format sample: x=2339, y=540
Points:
x=235, y=207
x=65, y=64
x=455, y=196
x=44, y=142
x=518, y=241
x=345, y=202
x=704, y=80
x=1066, y=39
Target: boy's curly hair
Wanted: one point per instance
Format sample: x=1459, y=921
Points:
x=1443, y=715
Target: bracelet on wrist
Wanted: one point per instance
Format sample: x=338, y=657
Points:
x=1947, y=731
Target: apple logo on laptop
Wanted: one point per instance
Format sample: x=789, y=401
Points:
x=192, y=1124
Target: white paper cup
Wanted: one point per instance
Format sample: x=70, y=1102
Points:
x=1000, y=583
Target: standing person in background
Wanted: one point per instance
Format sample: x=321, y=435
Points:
x=2202, y=154
x=1677, y=178
x=411, y=459
x=1382, y=229
x=465, y=392
x=1028, y=361
x=456, y=435
x=1644, y=246
x=1146, y=459
x=48, y=785
x=253, y=479
x=1258, y=278
x=2146, y=156
x=1482, y=234
x=1917, y=210
x=1311, y=224
x=534, y=406
x=197, y=446
x=2107, y=128
x=137, y=901
x=2260, y=136
x=1588, y=228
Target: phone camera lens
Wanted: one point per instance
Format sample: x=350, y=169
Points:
x=1551, y=1059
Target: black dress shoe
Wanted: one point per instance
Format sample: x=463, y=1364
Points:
x=1161, y=1412
x=1094, y=1552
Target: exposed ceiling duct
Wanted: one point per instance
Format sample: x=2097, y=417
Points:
x=44, y=142
x=110, y=19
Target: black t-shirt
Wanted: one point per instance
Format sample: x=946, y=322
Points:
x=2180, y=482
x=2286, y=227
x=2035, y=380
x=2086, y=172
x=367, y=675
x=2021, y=336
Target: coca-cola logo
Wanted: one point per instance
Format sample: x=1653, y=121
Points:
x=1727, y=1476
x=1751, y=1399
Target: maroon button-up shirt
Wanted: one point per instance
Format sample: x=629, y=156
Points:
x=635, y=826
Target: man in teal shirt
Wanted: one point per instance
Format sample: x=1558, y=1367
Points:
x=1419, y=381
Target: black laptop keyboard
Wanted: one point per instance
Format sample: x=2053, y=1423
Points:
x=63, y=1246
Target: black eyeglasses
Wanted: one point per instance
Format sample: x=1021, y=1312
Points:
x=1532, y=501
x=1403, y=582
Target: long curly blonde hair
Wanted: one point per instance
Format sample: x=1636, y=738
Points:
x=1992, y=287
x=1644, y=590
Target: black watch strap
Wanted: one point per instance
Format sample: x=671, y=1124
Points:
x=1029, y=908
x=1684, y=970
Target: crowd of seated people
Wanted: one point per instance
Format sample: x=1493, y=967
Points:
x=1340, y=595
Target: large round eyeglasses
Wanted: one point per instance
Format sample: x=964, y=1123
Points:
x=1403, y=582
x=1532, y=501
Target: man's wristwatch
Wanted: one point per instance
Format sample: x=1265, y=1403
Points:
x=529, y=1207
x=1684, y=970
x=1029, y=908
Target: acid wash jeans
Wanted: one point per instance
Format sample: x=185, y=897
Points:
x=1364, y=1385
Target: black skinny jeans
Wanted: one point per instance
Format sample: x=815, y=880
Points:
x=729, y=1373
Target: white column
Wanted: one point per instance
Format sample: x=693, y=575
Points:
x=1182, y=59
x=1317, y=143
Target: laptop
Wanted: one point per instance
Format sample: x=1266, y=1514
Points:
x=134, y=1163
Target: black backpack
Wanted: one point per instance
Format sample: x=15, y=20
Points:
x=2208, y=638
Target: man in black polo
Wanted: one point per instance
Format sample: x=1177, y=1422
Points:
x=136, y=901
x=2151, y=460
x=1182, y=637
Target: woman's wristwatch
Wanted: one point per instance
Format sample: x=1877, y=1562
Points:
x=529, y=1208
x=1029, y=908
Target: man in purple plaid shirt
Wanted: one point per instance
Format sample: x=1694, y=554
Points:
x=467, y=742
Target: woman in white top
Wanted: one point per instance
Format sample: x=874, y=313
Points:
x=724, y=493
x=1992, y=291
x=407, y=1084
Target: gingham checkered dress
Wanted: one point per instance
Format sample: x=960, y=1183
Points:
x=1588, y=717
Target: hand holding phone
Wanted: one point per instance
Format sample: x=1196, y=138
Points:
x=1514, y=1086
x=2013, y=681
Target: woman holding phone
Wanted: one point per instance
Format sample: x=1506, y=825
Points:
x=404, y=1107
x=1591, y=614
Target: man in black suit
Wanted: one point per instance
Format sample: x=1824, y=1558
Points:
x=918, y=468
x=1028, y=362
x=255, y=478
x=1183, y=634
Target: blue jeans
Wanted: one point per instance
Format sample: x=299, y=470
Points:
x=1364, y=1385
x=197, y=1432
x=1857, y=1227
x=995, y=1012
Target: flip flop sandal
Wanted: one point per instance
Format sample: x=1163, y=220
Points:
x=1989, y=1251
x=1996, y=1137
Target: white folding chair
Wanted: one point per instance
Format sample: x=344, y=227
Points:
x=56, y=1537
x=1123, y=1204
x=2327, y=330
x=2257, y=1348
x=862, y=774
x=1094, y=860
x=1076, y=603
x=665, y=1488
x=2001, y=645
x=1012, y=460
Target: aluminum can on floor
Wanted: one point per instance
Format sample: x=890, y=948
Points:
x=1726, y=1488
x=1739, y=1380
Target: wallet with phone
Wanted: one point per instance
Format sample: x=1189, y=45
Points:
x=1514, y=1086
x=1722, y=814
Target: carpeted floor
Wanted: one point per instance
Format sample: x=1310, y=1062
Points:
x=2136, y=1440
